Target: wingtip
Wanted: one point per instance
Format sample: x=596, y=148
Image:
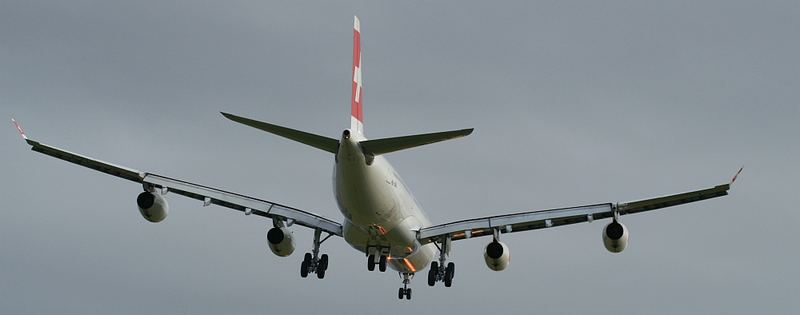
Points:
x=736, y=175
x=19, y=129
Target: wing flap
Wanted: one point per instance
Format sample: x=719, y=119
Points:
x=516, y=222
x=241, y=202
x=541, y=219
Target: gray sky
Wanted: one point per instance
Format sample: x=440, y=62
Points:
x=573, y=102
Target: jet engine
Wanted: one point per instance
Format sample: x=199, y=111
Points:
x=153, y=207
x=497, y=256
x=280, y=241
x=615, y=237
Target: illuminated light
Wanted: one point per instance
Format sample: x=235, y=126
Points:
x=381, y=230
x=409, y=265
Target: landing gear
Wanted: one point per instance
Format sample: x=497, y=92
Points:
x=439, y=271
x=449, y=272
x=313, y=262
x=381, y=262
x=382, y=265
x=371, y=262
x=405, y=291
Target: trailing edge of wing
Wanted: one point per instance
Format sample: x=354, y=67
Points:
x=387, y=145
x=317, y=141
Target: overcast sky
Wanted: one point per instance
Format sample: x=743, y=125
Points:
x=573, y=102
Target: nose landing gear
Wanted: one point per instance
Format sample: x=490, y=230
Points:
x=405, y=291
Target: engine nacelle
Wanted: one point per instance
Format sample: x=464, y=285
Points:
x=153, y=207
x=280, y=241
x=497, y=256
x=615, y=237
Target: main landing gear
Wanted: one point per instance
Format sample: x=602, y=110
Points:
x=381, y=262
x=313, y=262
x=405, y=291
x=439, y=271
x=377, y=255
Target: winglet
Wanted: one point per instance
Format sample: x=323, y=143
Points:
x=19, y=128
x=737, y=175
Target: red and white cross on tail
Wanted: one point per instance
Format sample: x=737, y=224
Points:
x=356, y=108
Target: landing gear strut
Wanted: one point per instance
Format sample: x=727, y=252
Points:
x=405, y=291
x=313, y=262
x=439, y=271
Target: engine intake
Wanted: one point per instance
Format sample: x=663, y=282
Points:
x=152, y=206
x=280, y=241
x=497, y=256
x=615, y=237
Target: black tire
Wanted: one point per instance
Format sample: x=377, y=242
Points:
x=401, y=293
x=304, y=269
x=452, y=267
x=307, y=258
x=431, y=277
x=382, y=264
x=323, y=262
x=371, y=262
x=449, y=272
x=320, y=273
x=408, y=294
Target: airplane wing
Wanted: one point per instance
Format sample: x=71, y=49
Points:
x=208, y=195
x=541, y=219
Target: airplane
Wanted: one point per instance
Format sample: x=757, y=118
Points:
x=381, y=218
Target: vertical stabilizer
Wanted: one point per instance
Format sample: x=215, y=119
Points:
x=356, y=108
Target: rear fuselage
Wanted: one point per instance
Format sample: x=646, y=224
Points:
x=381, y=216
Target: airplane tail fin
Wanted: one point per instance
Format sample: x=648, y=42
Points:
x=356, y=107
x=369, y=147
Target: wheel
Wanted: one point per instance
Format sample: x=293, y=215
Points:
x=307, y=258
x=371, y=262
x=400, y=293
x=448, y=274
x=320, y=273
x=382, y=264
x=431, y=277
x=452, y=267
x=323, y=263
x=408, y=294
x=304, y=269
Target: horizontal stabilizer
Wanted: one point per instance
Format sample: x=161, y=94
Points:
x=317, y=141
x=386, y=145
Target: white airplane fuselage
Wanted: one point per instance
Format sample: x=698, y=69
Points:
x=381, y=216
